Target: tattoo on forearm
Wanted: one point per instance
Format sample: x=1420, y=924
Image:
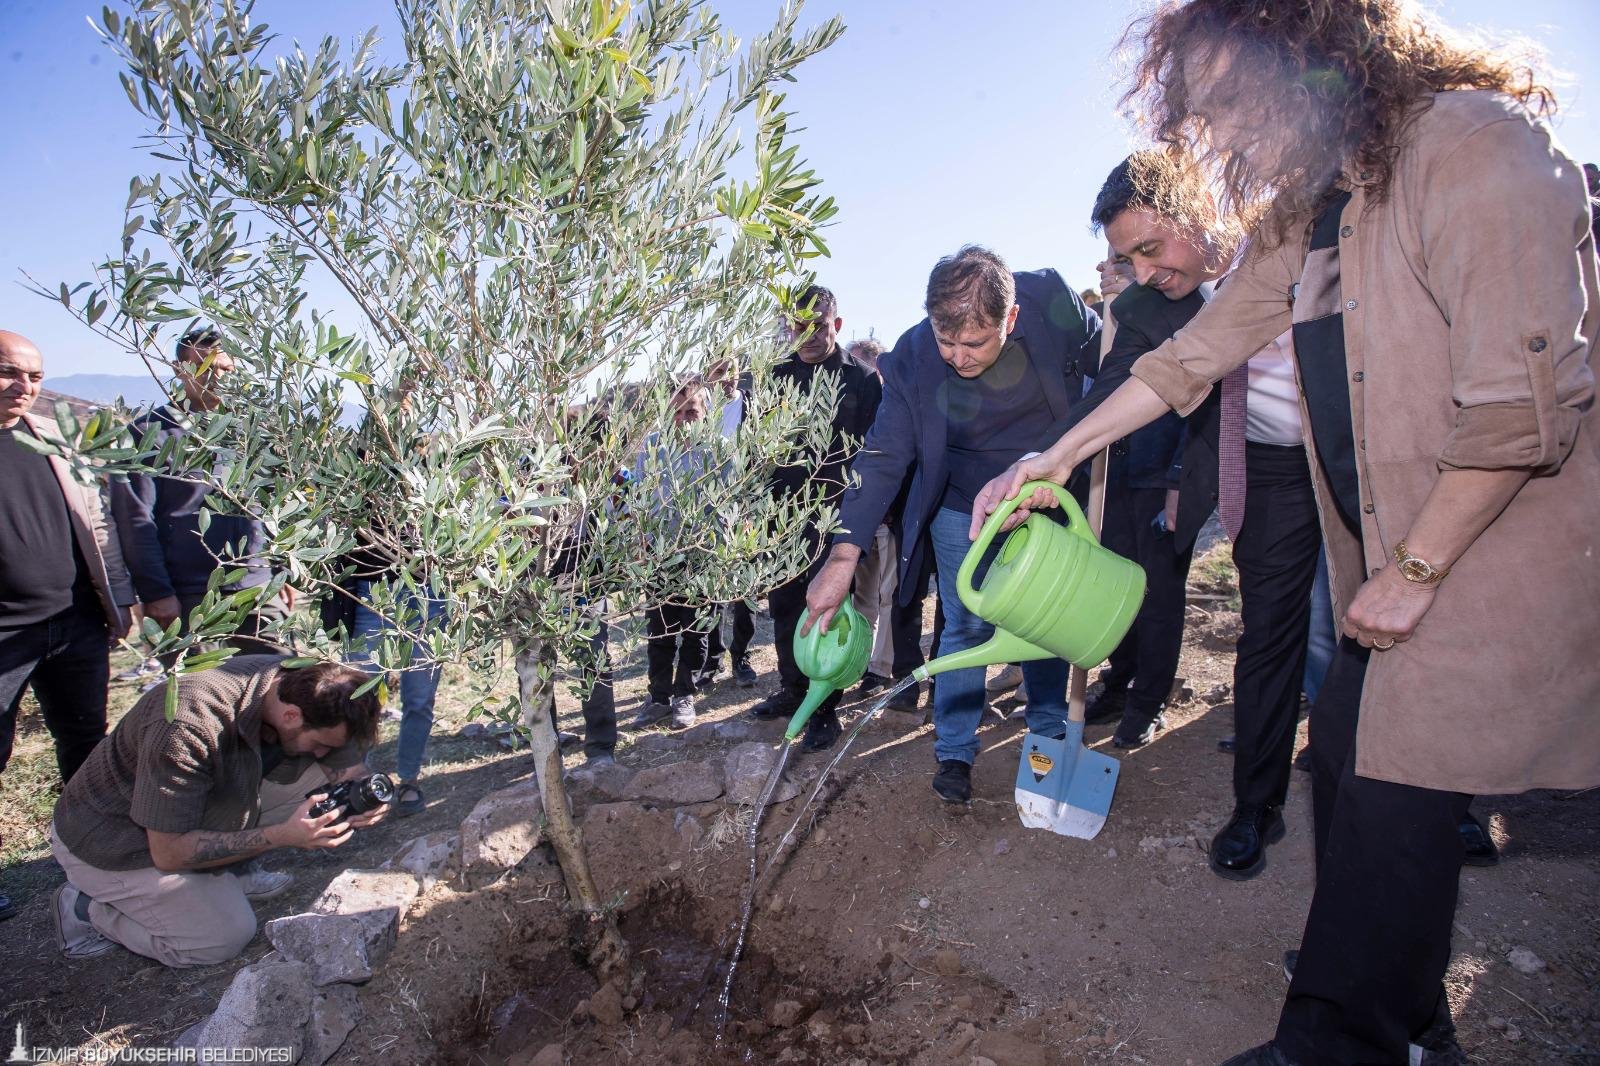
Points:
x=211, y=847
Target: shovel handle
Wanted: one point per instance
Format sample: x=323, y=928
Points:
x=1078, y=679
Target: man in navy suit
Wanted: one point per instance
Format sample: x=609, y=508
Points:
x=990, y=372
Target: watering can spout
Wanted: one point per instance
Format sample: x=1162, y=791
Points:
x=816, y=695
x=1003, y=647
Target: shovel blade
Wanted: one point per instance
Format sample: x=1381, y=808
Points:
x=1063, y=786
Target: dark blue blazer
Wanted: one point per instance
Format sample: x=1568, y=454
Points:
x=1062, y=339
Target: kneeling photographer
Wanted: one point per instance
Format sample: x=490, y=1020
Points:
x=158, y=831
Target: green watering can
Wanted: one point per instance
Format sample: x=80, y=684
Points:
x=1051, y=592
x=833, y=661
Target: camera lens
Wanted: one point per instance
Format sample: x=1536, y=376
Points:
x=374, y=792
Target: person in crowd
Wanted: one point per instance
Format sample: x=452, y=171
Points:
x=157, y=831
x=1095, y=300
x=724, y=376
x=1452, y=440
x=64, y=592
x=1157, y=218
x=676, y=645
x=817, y=361
x=158, y=516
x=998, y=362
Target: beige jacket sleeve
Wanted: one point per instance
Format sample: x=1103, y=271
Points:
x=1251, y=309
x=1506, y=253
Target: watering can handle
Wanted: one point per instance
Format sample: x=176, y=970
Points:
x=1076, y=524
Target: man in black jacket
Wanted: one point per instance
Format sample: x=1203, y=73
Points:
x=158, y=517
x=816, y=362
x=993, y=369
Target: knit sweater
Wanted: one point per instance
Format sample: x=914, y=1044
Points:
x=202, y=770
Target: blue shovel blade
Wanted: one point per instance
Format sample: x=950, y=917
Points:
x=1063, y=786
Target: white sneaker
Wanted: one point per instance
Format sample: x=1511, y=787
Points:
x=261, y=885
x=1009, y=677
x=76, y=937
x=682, y=712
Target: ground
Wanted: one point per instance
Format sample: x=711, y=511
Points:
x=898, y=931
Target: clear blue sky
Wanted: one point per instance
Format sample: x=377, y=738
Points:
x=934, y=123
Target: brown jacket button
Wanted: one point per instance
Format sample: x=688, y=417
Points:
x=1538, y=344
x=1345, y=231
x=1358, y=376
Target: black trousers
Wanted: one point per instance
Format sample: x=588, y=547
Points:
x=1377, y=939
x=1147, y=658
x=1276, y=555
x=744, y=630
x=675, y=651
x=906, y=621
x=67, y=660
x=600, y=704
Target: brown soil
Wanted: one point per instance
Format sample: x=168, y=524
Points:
x=899, y=931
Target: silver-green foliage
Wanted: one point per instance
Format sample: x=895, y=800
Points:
x=536, y=222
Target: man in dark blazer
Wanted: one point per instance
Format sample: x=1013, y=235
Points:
x=995, y=367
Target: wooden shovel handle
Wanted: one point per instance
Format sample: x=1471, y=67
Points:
x=1078, y=683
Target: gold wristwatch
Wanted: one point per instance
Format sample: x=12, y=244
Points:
x=1417, y=571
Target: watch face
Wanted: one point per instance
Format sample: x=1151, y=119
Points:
x=1416, y=570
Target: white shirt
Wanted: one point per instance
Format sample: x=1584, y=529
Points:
x=1272, y=406
x=732, y=414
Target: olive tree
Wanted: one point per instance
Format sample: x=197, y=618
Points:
x=506, y=243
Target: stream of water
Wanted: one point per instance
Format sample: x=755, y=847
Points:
x=754, y=838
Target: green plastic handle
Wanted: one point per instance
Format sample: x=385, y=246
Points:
x=1076, y=523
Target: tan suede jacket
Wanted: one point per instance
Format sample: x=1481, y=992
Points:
x=1469, y=324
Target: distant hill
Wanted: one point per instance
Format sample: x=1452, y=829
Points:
x=137, y=390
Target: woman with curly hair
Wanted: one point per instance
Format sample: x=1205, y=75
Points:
x=1429, y=244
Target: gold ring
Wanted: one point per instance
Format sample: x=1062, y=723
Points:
x=1383, y=647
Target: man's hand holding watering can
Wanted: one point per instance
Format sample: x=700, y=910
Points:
x=830, y=587
x=1045, y=466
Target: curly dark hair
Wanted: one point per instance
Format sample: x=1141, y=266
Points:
x=325, y=694
x=1346, y=76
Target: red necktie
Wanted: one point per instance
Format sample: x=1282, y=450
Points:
x=1230, y=450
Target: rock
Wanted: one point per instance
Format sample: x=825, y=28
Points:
x=746, y=772
x=549, y=1055
x=1111, y=853
x=1497, y=1023
x=1180, y=856
x=960, y=1041
x=820, y=1030
x=334, y=1014
x=268, y=1005
x=689, y=829
x=656, y=743
x=1524, y=961
x=786, y=1014
x=962, y=1003
x=676, y=783
x=605, y=1006
x=1008, y=1050
x=947, y=961
x=746, y=729
x=980, y=1060
x=610, y=781
x=473, y=731
x=1002, y=846
x=503, y=827
x=924, y=903
x=363, y=891
x=337, y=947
x=430, y=858
x=1217, y=694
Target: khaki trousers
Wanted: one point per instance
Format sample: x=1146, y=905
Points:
x=189, y=918
x=873, y=595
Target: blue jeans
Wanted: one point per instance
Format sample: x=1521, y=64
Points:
x=958, y=697
x=418, y=683
x=1324, y=635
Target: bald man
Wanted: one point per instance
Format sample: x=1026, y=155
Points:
x=63, y=586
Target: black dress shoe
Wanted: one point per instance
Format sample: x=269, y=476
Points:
x=1265, y=1055
x=822, y=731
x=953, y=782
x=744, y=675
x=907, y=698
x=1134, y=734
x=781, y=704
x=869, y=684
x=1229, y=743
x=1481, y=850
x=1239, y=851
x=1107, y=707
